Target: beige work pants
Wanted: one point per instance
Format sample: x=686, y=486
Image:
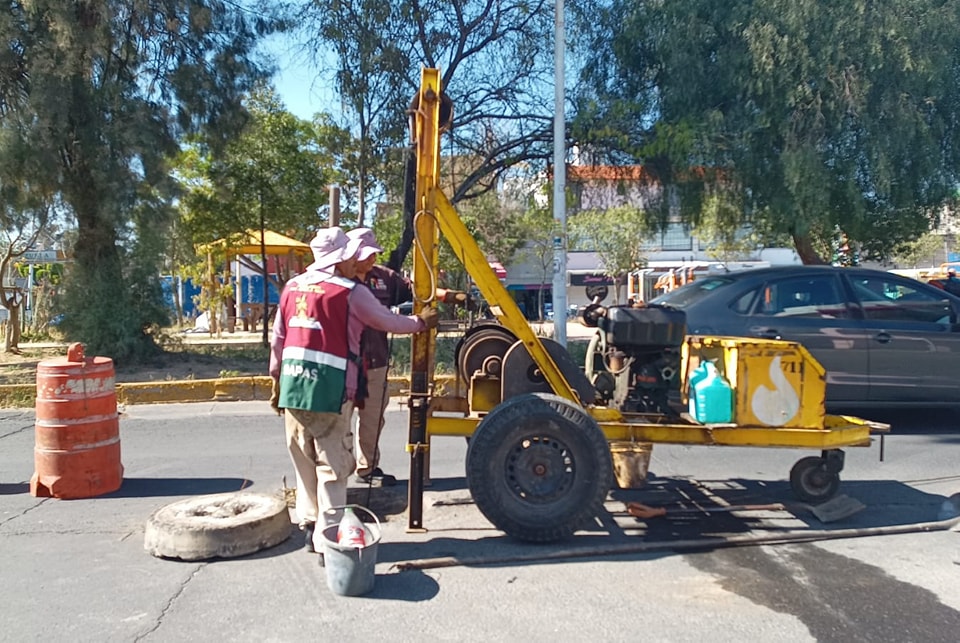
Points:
x=321, y=448
x=370, y=421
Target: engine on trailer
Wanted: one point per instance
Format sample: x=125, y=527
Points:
x=634, y=359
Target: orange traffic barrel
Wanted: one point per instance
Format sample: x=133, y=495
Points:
x=77, y=447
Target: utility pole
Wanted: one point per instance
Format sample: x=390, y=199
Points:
x=334, y=206
x=559, y=184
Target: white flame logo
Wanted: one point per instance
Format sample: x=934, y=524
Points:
x=779, y=405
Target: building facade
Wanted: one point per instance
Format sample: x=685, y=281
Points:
x=674, y=250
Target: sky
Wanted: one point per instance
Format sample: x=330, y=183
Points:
x=297, y=84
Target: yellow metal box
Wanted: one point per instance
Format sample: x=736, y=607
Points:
x=776, y=383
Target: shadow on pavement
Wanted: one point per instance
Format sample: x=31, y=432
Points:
x=888, y=504
x=155, y=487
x=413, y=586
x=13, y=488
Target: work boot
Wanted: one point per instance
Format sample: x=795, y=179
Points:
x=308, y=529
x=378, y=476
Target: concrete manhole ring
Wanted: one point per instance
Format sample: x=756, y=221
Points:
x=223, y=525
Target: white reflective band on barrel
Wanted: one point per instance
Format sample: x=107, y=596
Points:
x=82, y=387
x=83, y=447
x=86, y=419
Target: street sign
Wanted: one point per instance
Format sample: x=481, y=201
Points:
x=40, y=256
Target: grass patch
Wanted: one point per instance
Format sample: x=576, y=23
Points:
x=400, y=348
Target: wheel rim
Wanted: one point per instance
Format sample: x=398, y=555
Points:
x=540, y=469
x=816, y=481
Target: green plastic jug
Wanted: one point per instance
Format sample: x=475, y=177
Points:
x=711, y=401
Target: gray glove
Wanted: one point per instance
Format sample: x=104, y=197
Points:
x=430, y=317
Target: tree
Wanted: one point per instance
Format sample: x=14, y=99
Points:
x=497, y=69
x=24, y=215
x=105, y=89
x=12, y=296
x=499, y=229
x=371, y=53
x=720, y=226
x=616, y=235
x=273, y=175
x=841, y=114
x=922, y=252
x=541, y=230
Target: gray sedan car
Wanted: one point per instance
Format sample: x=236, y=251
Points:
x=884, y=340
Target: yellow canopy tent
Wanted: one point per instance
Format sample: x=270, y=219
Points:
x=249, y=243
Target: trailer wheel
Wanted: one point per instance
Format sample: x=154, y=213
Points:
x=812, y=481
x=539, y=467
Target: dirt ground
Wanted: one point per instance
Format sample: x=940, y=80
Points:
x=187, y=361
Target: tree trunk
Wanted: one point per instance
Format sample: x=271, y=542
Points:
x=177, y=303
x=805, y=250
x=540, y=294
x=11, y=342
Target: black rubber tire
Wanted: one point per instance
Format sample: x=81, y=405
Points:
x=539, y=467
x=223, y=525
x=811, y=482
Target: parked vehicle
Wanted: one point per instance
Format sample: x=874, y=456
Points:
x=884, y=340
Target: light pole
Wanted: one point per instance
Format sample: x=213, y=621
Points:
x=559, y=184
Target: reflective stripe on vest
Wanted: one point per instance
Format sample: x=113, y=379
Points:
x=312, y=374
x=301, y=354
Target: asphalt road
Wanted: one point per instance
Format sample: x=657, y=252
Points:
x=76, y=569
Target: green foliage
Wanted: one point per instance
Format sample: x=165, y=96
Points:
x=823, y=114
x=275, y=174
x=723, y=227
x=616, y=235
x=541, y=229
x=500, y=231
x=101, y=93
x=50, y=272
x=923, y=252
x=388, y=228
x=443, y=359
x=371, y=56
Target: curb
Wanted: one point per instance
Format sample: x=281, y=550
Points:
x=225, y=389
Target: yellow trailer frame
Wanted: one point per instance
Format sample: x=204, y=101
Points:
x=433, y=415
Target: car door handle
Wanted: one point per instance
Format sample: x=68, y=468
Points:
x=769, y=333
x=883, y=338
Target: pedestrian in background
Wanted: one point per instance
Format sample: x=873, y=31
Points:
x=391, y=289
x=314, y=363
x=952, y=284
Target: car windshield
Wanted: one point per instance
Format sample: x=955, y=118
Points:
x=692, y=292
